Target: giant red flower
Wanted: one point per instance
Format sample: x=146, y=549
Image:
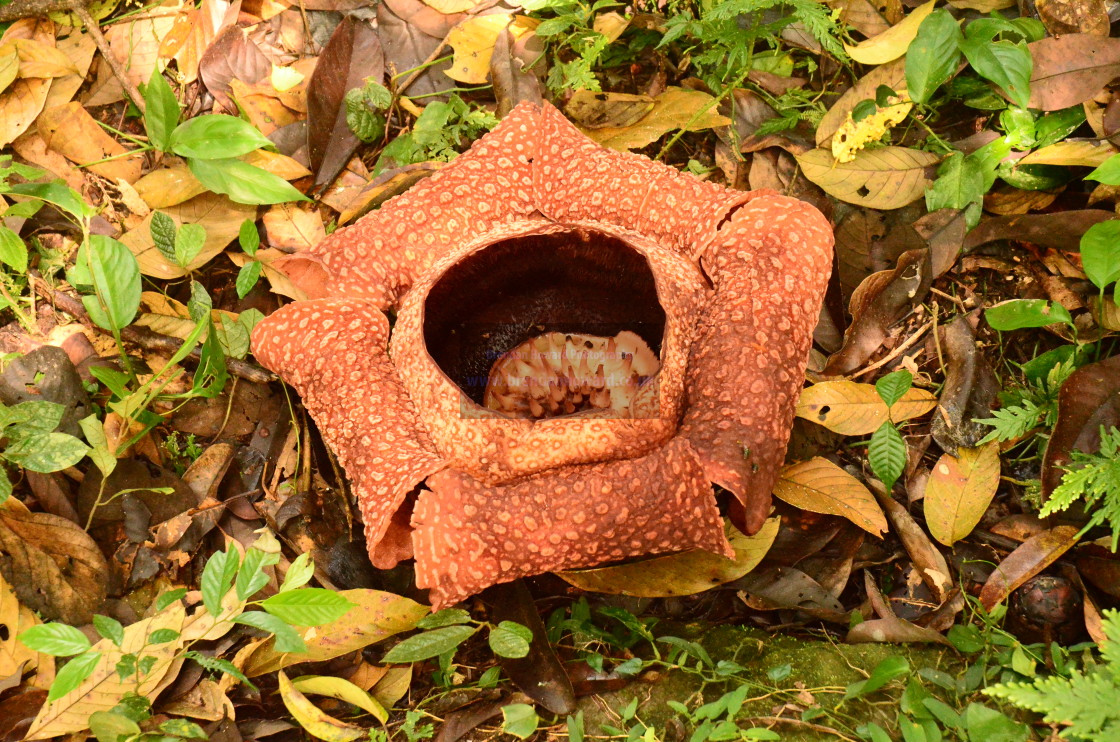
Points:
x=584, y=341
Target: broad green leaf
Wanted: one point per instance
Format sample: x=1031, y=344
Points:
x=428, y=644
x=1007, y=65
x=299, y=573
x=161, y=111
x=217, y=577
x=183, y=729
x=887, y=454
x=243, y=183
x=110, y=628
x=510, y=639
x=889, y=669
x=109, y=726
x=960, y=182
x=1100, y=253
x=248, y=237
x=72, y=675
x=55, y=639
x=57, y=194
x=247, y=278
x=446, y=617
x=5, y=485
x=32, y=417
x=169, y=597
x=933, y=55
x=894, y=386
x=309, y=606
x=287, y=640
x=216, y=137
x=162, y=636
x=1108, y=172
x=988, y=724
x=189, y=243
x=12, y=250
x=1017, y=314
x=115, y=277
x=1054, y=127
x=520, y=720
x=46, y=452
x=251, y=576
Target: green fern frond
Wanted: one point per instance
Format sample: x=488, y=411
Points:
x=1094, y=480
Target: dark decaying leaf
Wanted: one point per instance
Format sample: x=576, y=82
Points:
x=771, y=588
x=880, y=301
x=1089, y=398
x=888, y=627
x=539, y=674
x=352, y=55
x=944, y=231
x=1033, y=556
x=969, y=392
x=856, y=236
x=510, y=72
x=231, y=55
x=930, y=562
x=1060, y=230
x=1071, y=69
x=410, y=31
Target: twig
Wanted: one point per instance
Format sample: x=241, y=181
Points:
x=32, y=8
x=143, y=337
x=102, y=43
x=894, y=353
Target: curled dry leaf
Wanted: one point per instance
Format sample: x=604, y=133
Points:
x=851, y=408
x=1088, y=400
x=674, y=109
x=773, y=588
x=377, y=615
x=1071, y=153
x=1071, y=69
x=930, y=562
x=889, y=628
x=892, y=43
x=343, y=690
x=959, y=490
x=883, y=178
x=231, y=55
x=52, y=564
x=517, y=70
x=969, y=391
x=1033, y=555
x=821, y=486
x=313, y=720
x=591, y=110
x=686, y=573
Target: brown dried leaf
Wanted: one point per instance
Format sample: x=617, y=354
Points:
x=410, y=31
x=231, y=55
x=1060, y=230
x=823, y=487
x=592, y=110
x=1071, y=69
x=932, y=566
x=851, y=408
x=1088, y=400
x=517, y=70
x=71, y=131
x=1033, y=556
x=674, y=109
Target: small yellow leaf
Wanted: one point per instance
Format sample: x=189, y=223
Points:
x=450, y=7
x=881, y=178
x=674, y=109
x=892, y=43
x=959, y=491
x=343, y=690
x=42, y=60
x=851, y=408
x=852, y=136
x=473, y=41
x=314, y=721
x=686, y=573
x=820, y=486
x=9, y=69
x=610, y=25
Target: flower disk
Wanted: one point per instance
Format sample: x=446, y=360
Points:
x=584, y=342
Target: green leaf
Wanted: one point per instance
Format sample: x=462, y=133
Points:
x=99, y=451
x=309, y=606
x=65, y=198
x=1100, y=253
x=520, y=720
x=889, y=669
x=989, y=725
x=287, y=640
x=1108, y=172
x=115, y=276
x=887, y=454
x=299, y=573
x=216, y=664
x=428, y=644
x=161, y=111
x=510, y=639
x=46, y=452
x=247, y=278
x=251, y=576
x=33, y=417
x=108, y=726
x=1054, y=127
x=55, y=639
x=183, y=729
x=5, y=486
x=217, y=576
x=110, y=628
x=446, y=617
x=162, y=636
x=216, y=137
x=933, y=56
x=189, y=243
x=1017, y=314
x=169, y=597
x=248, y=237
x=243, y=183
x=960, y=182
x=893, y=386
x=1007, y=65
x=163, y=229
x=12, y=250
x=72, y=675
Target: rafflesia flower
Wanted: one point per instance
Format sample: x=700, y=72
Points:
x=584, y=341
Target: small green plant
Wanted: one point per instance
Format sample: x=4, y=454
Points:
x=445, y=630
x=1092, y=479
x=1086, y=702
x=886, y=451
x=1033, y=405
x=31, y=441
x=365, y=110
x=438, y=133
x=211, y=144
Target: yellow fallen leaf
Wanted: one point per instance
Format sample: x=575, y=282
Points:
x=610, y=25
x=674, y=109
x=42, y=60
x=450, y=7
x=70, y=130
x=15, y=656
x=851, y=408
x=19, y=105
x=852, y=136
x=881, y=178
x=959, y=490
x=9, y=68
x=343, y=690
x=820, y=486
x=314, y=721
x=1071, y=153
x=686, y=573
x=892, y=43
x=892, y=74
x=473, y=41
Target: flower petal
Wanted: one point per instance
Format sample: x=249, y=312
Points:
x=380, y=255
x=576, y=179
x=469, y=536
x=333, y=352
x=770, y=264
